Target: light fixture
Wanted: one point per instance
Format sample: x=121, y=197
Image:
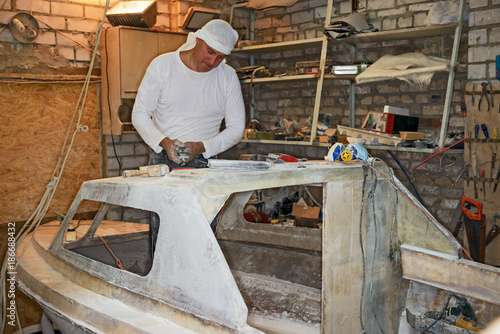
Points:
x=196, y=17
x=133, y=14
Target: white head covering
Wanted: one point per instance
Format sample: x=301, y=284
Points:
x=218, y=34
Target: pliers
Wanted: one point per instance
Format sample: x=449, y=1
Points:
x=484, y=94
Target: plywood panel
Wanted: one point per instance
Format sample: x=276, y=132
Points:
x=137, y=49
x=479, y=114
x=34, y=120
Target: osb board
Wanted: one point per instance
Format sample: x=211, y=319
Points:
x=34, y=121
x=490, y=199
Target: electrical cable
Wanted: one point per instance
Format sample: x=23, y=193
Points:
x=365, y=175
x=439, y=317
x=371, y=195
x=425, y=212
x=405, y=172
x=312, y=198
x=35, y=219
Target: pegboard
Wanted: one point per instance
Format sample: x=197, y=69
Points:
x=478, y=152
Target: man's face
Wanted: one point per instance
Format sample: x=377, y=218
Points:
x=206, y=57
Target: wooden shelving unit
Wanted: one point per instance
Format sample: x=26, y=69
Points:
x=323, y=42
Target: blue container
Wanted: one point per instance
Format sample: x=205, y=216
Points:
x=497, y=73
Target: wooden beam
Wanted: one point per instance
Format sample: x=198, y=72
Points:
x=448, y=272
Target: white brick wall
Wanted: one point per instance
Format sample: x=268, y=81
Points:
x=478, y=37
x=6, y=16
x=35, y=6
x=83, y=55
x=478, y=3
x=68, y=53
x=53, y=21
x=301, y=17
x=47, y=37
x=82, y=25
x=68, y=39
x=95, y=13
x=64, y=9
x=380, y=4
x=485, y=17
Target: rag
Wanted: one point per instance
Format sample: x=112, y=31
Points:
x=218, y=34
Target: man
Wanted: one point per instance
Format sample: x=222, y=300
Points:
x=185, y=95
x=183, y=98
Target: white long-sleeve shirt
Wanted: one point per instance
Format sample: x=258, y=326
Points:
x=176, y=102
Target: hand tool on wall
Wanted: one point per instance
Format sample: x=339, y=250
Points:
x=496, y=179
x=475, y=228
x=495, y=230
x=474, y=164
x=463, y=109
x=484, y=183
x=463, y=173
x=484, y=95
x=493, y=153
x=491, y=89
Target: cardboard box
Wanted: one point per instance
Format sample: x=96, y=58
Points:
x=396, y=110
x=389, y=123
x=305, y=212
x=411, y=135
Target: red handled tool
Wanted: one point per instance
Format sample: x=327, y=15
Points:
x=475, y=228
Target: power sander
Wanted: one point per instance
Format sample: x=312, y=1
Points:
x=182, y=154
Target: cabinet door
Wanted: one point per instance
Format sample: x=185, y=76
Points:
x=137, y=50
x=170, y=42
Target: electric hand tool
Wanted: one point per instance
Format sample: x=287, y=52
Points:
x=182, y=154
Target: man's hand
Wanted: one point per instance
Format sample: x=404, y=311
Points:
x=195, y=148
x=169, y=146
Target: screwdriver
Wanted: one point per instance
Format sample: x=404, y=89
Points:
x=493, y=153
x=484, y=184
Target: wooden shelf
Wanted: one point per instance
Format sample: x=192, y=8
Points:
x=399, y=34
x=301, y=77
x=283, y=46
x=277, y=142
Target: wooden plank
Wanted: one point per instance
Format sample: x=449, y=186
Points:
x=67, y=78
x=283, y=46
x=450, y=273
x=379, y=137
x=398, y=34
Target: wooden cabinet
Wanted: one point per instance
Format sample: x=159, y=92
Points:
x=125, y=55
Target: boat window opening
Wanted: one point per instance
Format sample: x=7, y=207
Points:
x=277, y=261
x=294, y=206
x=117, y=236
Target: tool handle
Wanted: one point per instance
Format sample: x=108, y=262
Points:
x=485, y=130
x=463, y=108
x=479, y=206
x=495, y=133
x=476, y=130
x=473, y=164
